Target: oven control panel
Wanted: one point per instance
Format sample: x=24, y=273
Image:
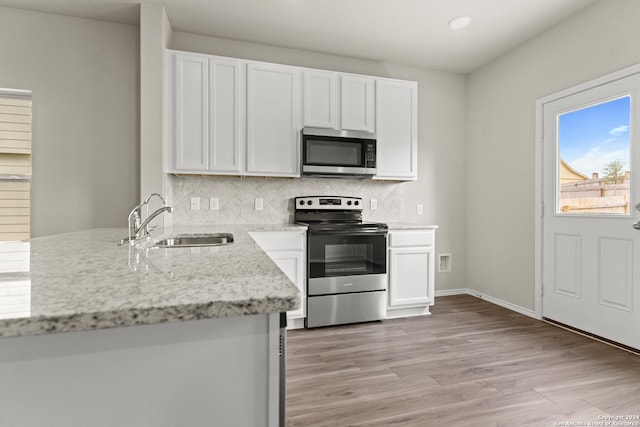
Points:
x=328, y=203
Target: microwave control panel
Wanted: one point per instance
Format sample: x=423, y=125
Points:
x=370, y=155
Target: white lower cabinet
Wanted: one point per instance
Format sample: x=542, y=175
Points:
x=411, y=272
x=287, y=250
x=292, y=265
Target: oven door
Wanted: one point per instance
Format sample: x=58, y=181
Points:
x=344, y=253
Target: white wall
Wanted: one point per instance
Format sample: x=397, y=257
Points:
x=155, y=33
x=501, y=137
x=441, y=132
x=84, y=78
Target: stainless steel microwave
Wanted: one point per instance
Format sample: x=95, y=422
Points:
x=338, y=154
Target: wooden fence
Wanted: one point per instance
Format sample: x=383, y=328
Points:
x=595, y=197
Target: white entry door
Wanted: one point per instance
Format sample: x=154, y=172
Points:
x=590, y=250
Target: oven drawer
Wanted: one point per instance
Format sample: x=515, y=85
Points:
x=346, y=308
x=347, y=284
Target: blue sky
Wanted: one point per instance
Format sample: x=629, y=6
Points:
x=594, y=136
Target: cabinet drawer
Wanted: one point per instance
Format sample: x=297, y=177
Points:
x=280, y=240
x=411, y=238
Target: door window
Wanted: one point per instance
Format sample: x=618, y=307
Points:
x=593, y=170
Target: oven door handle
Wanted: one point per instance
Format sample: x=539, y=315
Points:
x=368, y=232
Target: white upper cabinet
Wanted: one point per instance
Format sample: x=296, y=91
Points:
x=397, y=129
x=320, y=99
x=226, y=115
x=206, y=114
x=273, y=119
x=357, y=103
x=190, y=111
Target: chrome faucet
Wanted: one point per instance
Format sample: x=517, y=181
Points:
x=142, y=229
x=139, y=228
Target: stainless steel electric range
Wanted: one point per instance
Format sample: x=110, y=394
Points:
x=346, y=261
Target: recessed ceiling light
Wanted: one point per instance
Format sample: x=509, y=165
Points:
x=459, y=22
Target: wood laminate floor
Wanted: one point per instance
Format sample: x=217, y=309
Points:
x=471, y=363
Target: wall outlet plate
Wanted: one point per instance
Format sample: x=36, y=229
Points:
x=419, y=209
x=195, y=203
x=214, y=204
x=374, y=204
x=258, y=204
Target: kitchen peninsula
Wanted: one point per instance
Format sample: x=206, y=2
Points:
x=162, y=337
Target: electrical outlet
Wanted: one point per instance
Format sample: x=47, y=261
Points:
x=214, y=204
x=258, y=204
x=374, y=204
x=195, y=203
x=419, y=209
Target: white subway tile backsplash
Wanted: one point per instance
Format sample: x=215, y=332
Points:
x=237, y=196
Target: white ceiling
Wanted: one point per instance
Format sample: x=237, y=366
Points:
x=411, y=32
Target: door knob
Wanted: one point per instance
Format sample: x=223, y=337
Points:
x=636, y=225
x=638, y=206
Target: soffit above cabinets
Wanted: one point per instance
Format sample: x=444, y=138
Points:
x=411, y=32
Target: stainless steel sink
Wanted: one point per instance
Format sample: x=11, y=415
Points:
x=195, y=240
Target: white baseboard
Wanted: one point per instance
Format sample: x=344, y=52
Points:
x=295, y=323
x=489, y=298
x=449, y=292
x=424, y=311
x=395, y=313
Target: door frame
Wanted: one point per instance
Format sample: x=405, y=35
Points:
x=539, y=167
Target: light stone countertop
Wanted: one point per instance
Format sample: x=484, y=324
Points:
x=408, y=226
x=82, y=281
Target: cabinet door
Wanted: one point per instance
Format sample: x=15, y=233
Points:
x=411, y=276
x=397, y=129
x=320, y=102
x=357, y=103
x=292, y=265
x=190, y=112
x=287, y=250
x=225, y=115
x=273, y=120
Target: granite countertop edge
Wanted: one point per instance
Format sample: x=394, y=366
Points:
x=142, y=316
x=251, y=284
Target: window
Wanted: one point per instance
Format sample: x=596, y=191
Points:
x=15, y=165
x=594, y=159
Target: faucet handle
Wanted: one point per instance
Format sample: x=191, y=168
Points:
x=157, y=195
x=137, y=218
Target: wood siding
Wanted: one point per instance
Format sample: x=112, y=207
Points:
x=15, y=159
x=15, y=125
x=15, y=210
